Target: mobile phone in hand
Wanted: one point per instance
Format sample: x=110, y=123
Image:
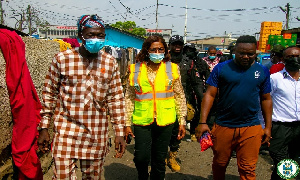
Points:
x=129, y=137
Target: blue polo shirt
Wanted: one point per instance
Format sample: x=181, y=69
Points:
x=239, y=93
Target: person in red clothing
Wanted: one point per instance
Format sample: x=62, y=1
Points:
x=276, y=63
x=25, y=108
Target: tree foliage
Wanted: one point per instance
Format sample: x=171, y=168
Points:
x=29, y=18
x=129, y=26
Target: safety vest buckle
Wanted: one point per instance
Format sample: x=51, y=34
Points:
x=137, y=87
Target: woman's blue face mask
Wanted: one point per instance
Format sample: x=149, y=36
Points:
x=156, y=57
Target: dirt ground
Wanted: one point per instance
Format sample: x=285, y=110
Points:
x=195, y=165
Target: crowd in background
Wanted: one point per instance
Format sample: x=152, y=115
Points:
x=169, y=90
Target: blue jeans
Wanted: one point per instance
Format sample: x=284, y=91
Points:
x=151, y=142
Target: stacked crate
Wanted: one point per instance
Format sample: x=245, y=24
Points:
x=289, y=39
x=285, y=40
x=267, y=29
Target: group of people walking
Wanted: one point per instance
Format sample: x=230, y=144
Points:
x=83, y=85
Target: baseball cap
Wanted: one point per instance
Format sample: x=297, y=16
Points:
x=231, y=45
x=176, y=38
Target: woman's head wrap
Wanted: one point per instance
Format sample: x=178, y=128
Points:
x=89, y=21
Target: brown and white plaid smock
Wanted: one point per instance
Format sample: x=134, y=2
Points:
x=76, y=96
x=180, y=101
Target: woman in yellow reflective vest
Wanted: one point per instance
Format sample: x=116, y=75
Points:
x=154, y=98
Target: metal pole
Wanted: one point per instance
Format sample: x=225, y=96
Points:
x=29, y=19
x=156, y=15
x=224, y=39
x=185, y=33
x=1, y=11
x=287, y=15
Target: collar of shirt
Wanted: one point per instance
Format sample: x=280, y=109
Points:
x=286, y=74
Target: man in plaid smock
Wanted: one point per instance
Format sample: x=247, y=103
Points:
x=81, y=84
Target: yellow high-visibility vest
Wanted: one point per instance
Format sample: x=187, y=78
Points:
x=154, y=100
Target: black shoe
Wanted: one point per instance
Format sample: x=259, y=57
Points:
x=233, y=154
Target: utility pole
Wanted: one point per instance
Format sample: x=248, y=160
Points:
x=2, y=13
x=156, y=15
x=29, y=19
x=224, y=40
x=185, y=33
x=287, y=14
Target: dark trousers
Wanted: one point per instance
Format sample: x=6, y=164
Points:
x=197, y=106
x=151, y=142
x=195, y=99
x=284, y=144
x=195, y=122
x=174, y=142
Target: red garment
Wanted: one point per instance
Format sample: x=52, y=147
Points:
x=25, y=106
x=74, y=43
x=276, y=68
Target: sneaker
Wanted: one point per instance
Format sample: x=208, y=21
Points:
x=193, y=138
x=233, y=154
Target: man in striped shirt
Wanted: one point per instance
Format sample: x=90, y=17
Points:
x=81, y=84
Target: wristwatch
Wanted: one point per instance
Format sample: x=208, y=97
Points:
x=39, y=128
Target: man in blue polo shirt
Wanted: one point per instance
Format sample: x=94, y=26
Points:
x=241, y=84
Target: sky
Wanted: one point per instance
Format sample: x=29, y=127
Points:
x=207, y=18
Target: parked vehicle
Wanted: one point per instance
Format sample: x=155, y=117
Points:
x=263, y=58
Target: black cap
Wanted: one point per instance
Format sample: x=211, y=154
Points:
x=190, y=45
x=176, y=38
x=231, y=45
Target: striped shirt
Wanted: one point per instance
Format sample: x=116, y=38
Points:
x=76, y=96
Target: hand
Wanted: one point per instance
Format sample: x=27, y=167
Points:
x=120, y=146
x=181, y=132
x=128, y=131
x=200, y=129
x=43, y=140
x=266, y=136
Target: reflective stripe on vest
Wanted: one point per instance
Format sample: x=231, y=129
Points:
x=136, y=75
x=140, y=97
x=169, y=74
x=136, y=72
x=165, y=95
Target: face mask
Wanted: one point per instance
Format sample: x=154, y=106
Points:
x=292, y=64
x=156, y=57
x=94, y=45
x=233, y=56
x=212, y=57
